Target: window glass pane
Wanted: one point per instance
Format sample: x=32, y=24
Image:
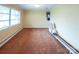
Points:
x=4, y=9
x=4, y=17
x=15, y=17
x=4, y=24
x=13, y=22
x=14, y=12
x=18, y=16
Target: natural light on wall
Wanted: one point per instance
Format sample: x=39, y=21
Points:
x=8, y=17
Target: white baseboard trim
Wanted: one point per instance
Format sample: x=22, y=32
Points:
x=67, y=45
x=8, y=38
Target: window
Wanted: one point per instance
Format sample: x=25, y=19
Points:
x=15, y=17
x=4, y=17
x=8, y=17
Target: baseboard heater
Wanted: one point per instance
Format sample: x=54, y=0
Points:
x=71, y=49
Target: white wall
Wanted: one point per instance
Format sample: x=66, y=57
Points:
x=35, y=19
x=66, y=18
x=4, y=34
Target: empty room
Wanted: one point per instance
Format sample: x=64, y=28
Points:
x=39, y=29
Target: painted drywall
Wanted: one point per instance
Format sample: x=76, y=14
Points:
x=35, y=19
x=5, y=33
x=66, y=18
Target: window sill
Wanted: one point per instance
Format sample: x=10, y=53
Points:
x=7, y=27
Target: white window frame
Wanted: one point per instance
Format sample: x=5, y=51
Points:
x=10, y=19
